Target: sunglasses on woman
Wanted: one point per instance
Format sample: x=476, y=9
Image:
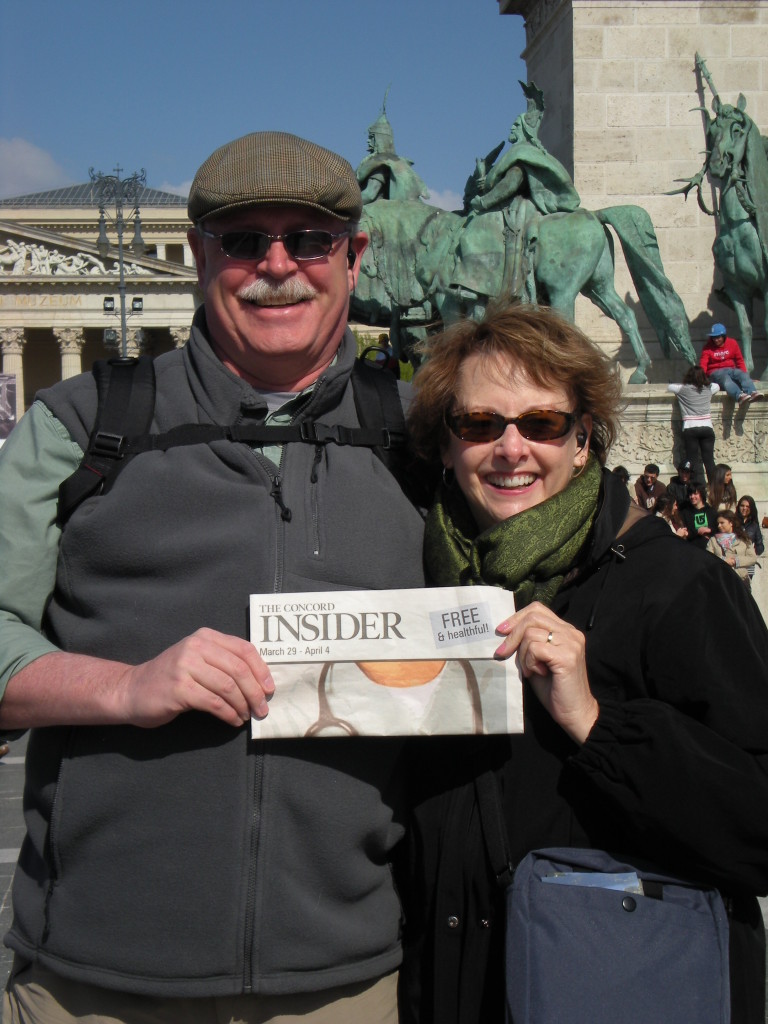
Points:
x=537, y=425
x=310, y=244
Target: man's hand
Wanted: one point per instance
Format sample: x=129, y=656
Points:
x=207, y=671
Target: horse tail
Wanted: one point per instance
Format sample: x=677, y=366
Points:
x=661, y=303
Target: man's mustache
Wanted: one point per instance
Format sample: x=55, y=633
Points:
x=265, y=292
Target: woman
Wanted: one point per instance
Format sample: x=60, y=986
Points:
x=694, y=396
x=666, y=509
x=732, y=544
x=722, y=493
x=622, y=749
x=747, y=510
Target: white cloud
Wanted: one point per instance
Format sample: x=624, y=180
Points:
x=176, y=190
x=26, y=168
x=446, y=200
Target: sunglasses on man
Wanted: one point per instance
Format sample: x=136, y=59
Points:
x=310, y=244
x=537, y=425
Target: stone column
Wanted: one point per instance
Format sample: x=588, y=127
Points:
x=180, y=336
x=12, y=343
x=70, y=341
x=161, y=250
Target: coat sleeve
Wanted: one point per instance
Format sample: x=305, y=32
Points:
x=683, y=770
x=38, y=454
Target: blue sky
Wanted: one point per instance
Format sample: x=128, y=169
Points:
x=160, y=84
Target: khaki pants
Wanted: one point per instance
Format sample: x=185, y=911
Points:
x=37, y=996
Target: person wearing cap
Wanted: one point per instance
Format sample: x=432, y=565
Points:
x=174, y=868
x=722, y=361
x=679, y=487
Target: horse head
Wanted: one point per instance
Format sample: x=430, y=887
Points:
x=728, y=134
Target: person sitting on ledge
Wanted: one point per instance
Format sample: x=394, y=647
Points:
x=722, y=361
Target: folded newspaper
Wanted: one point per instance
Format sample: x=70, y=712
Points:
x=386, y=663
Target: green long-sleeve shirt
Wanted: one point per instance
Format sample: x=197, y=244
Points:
x=37, y=456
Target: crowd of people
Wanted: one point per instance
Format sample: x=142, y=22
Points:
x=711, y=518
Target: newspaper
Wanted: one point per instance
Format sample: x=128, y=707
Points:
x=386, y=663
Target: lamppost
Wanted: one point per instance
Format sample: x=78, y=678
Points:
x=109, y=189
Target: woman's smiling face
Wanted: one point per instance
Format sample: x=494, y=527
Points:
x=503, y=477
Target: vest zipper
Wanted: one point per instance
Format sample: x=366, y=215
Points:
x=313, y=479
x=277, y=494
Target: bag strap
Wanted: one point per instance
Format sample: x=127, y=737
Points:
x=126, y=402
x=377, y=400
x=493, y=827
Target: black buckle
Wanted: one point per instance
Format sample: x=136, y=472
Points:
x=111, y=445
x=318, y=433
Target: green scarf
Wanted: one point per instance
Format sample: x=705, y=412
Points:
x=529, y=553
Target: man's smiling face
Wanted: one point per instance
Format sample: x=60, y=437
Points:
x=277, y=321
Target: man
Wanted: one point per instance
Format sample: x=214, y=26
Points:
x=699, y=517
x=174, y=868
x=722, y=361
x=648, y=487
x=680, y=486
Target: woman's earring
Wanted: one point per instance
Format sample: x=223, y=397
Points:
x=578, y=470
x=449, y=477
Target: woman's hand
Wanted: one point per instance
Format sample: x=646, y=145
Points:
x=551, y=656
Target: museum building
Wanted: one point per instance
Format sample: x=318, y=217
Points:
x=60, y=298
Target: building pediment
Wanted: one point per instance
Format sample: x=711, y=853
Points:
x=34, y=253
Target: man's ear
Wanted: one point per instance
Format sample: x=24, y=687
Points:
x=356, y=248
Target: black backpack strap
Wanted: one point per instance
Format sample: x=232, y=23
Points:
x=377, y=400
x=126, y=402
x=378, y=405
x=126, y=390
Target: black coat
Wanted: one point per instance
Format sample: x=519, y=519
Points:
x=675, y=771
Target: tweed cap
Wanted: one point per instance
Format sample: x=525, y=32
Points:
x=274, y=167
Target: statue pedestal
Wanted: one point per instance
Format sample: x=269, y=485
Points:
x=651, y=431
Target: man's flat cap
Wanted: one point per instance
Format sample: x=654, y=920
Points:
x=275, y=167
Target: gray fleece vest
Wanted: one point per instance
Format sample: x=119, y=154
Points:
x=189, y=859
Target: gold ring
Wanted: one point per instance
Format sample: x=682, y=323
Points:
x=550, y=634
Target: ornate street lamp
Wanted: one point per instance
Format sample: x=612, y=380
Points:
x=108, y=190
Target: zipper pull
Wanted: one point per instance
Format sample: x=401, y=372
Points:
x=277, y=494
x=315, y=463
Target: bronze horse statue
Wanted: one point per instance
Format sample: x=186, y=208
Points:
x=522, y=233
x=736, y=159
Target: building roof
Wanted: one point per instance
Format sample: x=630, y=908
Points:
x=82, y=195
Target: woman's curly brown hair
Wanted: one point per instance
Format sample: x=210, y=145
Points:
x=541, y=345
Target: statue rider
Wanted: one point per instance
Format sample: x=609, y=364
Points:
x=384, y=174
x=526, y=183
